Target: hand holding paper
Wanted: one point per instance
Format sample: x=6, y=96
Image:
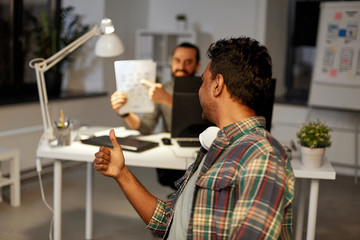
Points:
x=117, y=100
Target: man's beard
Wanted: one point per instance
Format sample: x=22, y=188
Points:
x=205, y=115
x=184, y=71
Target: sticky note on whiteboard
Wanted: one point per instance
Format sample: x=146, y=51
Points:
x=333, y=72
x=338, y=16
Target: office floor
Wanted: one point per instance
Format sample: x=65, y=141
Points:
x=114, y=218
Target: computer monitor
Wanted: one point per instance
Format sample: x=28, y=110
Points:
x=187, y=122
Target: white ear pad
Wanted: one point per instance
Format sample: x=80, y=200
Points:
x=208, y=136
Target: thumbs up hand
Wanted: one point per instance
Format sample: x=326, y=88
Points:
x=109, y=161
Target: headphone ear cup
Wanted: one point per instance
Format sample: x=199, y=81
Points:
x=208, y=136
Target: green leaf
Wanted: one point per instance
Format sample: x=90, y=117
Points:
x=314, y=135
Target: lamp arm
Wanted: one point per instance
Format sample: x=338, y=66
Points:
x=40, y=79
x=42, y=65
x=57, y=57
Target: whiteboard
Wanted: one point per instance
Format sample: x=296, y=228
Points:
x=335, y=81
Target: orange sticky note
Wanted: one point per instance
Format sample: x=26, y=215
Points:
x=333, y=72
x=338, y=16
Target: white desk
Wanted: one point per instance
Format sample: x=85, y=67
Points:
x=172, y=157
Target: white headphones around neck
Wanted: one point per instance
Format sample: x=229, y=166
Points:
x=208, y=136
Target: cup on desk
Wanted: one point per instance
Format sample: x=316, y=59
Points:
x=62, y=131
x=63, y=136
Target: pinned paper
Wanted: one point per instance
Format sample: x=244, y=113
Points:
x=332, y=30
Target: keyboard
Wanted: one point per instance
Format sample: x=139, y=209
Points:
x=189, y=143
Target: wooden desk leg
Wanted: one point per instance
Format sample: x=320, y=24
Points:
x=313, y=202
x=301, y=209
x=57, y=198
x=89, y=204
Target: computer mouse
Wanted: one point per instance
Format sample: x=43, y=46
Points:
x=166, y=141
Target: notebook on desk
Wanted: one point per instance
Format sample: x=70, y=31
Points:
x=127, y=143
x=187, y=122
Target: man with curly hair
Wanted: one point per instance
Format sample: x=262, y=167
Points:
x=241, y=185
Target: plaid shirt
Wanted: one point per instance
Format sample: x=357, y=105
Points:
x=244, y=190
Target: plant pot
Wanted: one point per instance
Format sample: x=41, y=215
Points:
x=181, y=25
x=312, y=157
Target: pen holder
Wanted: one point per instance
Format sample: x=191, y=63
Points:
x=63, y=136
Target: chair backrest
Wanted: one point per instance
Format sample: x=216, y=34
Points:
x=267, y=110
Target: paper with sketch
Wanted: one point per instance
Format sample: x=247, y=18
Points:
x=128, y=75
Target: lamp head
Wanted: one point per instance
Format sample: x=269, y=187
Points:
x=106, y=26
x=108, y=44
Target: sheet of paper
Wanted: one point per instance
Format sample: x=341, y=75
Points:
x=128, y=75
x=119, y=132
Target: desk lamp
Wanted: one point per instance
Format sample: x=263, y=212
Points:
x=108, y=45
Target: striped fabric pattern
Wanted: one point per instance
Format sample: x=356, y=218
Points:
x=244, y=190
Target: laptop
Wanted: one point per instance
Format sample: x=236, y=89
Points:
x=129, y=143
x=187, y=122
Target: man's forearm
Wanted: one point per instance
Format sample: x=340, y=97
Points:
x=133, y=121
x=143, y=202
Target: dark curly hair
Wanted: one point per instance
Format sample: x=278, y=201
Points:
x=246, y=68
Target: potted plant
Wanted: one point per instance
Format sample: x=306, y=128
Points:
x=50, y=38
x=313, y=138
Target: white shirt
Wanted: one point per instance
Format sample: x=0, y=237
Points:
x=179, y=227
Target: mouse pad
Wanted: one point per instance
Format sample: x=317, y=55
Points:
x=127, y=143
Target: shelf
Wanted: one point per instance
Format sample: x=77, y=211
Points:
x=158, y=45
x=5, y=181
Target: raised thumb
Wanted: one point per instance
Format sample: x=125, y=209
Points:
x=113, y=139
